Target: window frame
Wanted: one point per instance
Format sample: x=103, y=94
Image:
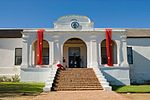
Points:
x=17, y=57
x=45, y=57
x=130, y=55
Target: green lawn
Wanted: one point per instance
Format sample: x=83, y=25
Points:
x=132, y=89
x=36, y=88
x=19, y=87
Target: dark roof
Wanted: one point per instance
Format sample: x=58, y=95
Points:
x=131, y=33
x=138, y=33
x=10, y=33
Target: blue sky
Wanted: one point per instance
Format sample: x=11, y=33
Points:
x=104, y=13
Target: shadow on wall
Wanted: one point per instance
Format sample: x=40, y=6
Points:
x=112, y=80
x=140, y=70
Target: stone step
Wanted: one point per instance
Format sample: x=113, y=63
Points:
x=76, y=79
x=78, y=86
x=71, y=80
x=63, y=85
x=77, y=74
x=84, y=83
x=74, y=83
x=75, y=71
x=75, y=89
x=71, y=71
x=80, y=68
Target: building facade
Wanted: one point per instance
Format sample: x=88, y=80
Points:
x=121, y=55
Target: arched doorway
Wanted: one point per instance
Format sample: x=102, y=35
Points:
x=75, y=53
x=45, y=53
x=104, y=54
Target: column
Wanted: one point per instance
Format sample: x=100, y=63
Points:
x=51, y=53
x=25, y=52
x=94, y=61
x=88, y=55
x=99, y=54
x=57, y=51
x=30, y=55
x=123, y=51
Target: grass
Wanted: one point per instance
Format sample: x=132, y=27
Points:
x=20, y=87
x=36, y=88
x=132, y=89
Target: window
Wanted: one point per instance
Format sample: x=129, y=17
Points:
x=45, y=56
x=103, y=55
x=130, y=55
x=18, y=56
x=45, y=53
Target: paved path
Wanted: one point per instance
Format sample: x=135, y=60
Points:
x=80, y=95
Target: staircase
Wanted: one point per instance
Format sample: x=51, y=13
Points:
x=74, y=79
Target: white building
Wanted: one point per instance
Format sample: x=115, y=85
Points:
x=75, y=37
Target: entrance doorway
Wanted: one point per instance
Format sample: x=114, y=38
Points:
x=75, y=53
x=74, y=57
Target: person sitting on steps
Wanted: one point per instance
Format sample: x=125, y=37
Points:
x=60, y=66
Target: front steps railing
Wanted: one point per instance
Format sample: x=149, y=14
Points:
x=49, y=82
x=102, y=79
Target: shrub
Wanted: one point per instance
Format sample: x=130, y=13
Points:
x=15, y=78
x=5, y=79
x=1, y=79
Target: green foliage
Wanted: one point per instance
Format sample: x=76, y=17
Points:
x=5, y=79
x=132, y=89
x=20, y=87
x=1, y=79
x=14, y=78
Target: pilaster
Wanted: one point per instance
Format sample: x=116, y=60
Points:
x=57, y=51
x=25, y=51
x=88, y=54
x=94, y=61
x=99, y=54
x=124, y=62
x=51, y=53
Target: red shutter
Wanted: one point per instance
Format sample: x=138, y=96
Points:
x=39, y=46
x=109, y=46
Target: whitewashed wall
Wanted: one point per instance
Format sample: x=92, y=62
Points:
x=92, y=39
x=7, y=56
x=59, y=38
x=140, y=69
